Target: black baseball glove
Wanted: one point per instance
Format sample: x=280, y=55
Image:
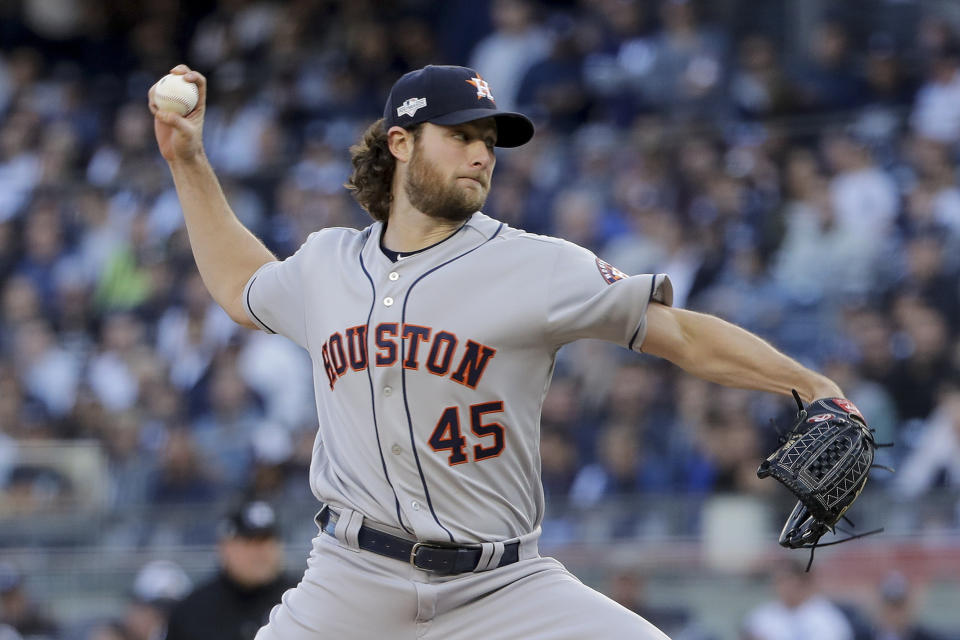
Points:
x=824, y=460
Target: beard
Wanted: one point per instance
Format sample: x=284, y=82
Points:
x=429, y=193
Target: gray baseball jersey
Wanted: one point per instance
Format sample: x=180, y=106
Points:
x=430, y=372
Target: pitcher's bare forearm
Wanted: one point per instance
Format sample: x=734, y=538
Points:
x=226, y=252
x=718, y=351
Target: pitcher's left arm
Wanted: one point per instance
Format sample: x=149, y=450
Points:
x=715, y=350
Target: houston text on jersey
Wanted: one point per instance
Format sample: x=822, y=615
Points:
x=347, y=351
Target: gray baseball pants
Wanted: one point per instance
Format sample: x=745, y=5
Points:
x=349, y=593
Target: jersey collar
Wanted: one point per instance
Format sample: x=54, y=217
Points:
x=476, y=230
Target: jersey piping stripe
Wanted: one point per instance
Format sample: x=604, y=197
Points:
x=373, y=404
x=403, y=375
x=252, y=312
x=653, y=287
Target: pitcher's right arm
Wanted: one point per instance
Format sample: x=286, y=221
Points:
x=227, y=253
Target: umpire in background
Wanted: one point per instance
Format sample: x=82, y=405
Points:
x=235, y=603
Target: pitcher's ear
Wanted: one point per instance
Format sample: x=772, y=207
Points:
x=400, y=141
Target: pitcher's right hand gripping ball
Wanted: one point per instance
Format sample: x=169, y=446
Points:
x=179, y=137
x=173, y=93
x=824, y=460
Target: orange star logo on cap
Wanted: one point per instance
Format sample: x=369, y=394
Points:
x=483, y=89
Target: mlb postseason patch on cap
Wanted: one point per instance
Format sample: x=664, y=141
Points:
x=449, y=95
x=410, y=106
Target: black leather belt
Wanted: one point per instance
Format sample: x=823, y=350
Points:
x=428, y=556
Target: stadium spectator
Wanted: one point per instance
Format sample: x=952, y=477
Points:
x=558, y=461
x=925, y=358
x=808, y=252
x=624, y=468
x=934, y=460
x=224, y=432
x=553, y=89
x=19, y=610
x=864, y=202
x=927, y=273
x=157, y=588
x=269, y=475
x=43, y=247
x=730, y=445
x=49, y=373
x=630, y=589
x=181, y=478
x=799, y=610
x=20, y=169
x=689, y=63
x=189, y=334
x=759, y=86
x=516, y=43
x=235, y=603
x=112, y=372
x=896, y=617
x=109, y=630
x=935, y=112
x=828, y=79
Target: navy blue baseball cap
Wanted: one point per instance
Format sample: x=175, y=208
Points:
x=254, y=519
x=449, y=95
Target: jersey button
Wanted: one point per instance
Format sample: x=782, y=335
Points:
x=387, y=391
x=387, y=302
x=394, y=275
x=396, y=450
x=415, y=505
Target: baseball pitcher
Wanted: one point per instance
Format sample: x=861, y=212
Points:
x=433, y=334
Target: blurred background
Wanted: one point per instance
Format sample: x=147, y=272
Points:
x=790, y=163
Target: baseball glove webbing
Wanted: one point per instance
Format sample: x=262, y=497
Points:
x=824, y=460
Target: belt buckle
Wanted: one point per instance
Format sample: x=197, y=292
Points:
x=413, y=554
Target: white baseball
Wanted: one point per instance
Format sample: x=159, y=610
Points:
x=173, y=93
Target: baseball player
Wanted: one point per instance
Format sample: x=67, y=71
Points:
x=433, y=334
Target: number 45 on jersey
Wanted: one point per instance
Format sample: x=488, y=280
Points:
x=448, y=434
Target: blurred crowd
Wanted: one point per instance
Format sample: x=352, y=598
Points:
x=806, y=193
x=163, y=603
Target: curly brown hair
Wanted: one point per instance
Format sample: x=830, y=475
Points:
x=373, y=167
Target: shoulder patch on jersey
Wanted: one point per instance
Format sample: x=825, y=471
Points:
x=609, y=272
